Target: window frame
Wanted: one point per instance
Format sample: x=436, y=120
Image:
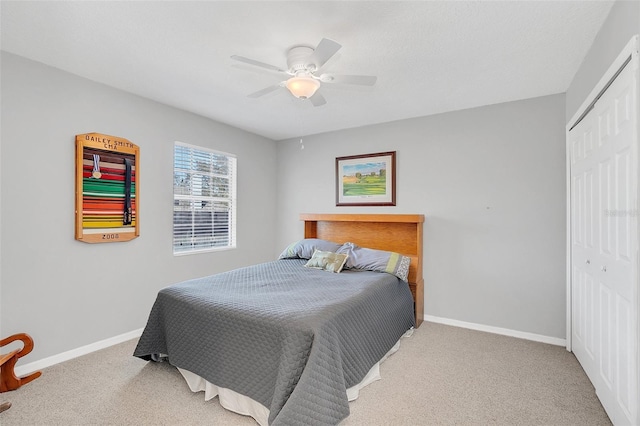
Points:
x=231, y=187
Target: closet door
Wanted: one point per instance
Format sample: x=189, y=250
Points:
x=604, y=245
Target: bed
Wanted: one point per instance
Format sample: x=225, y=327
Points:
x=289, y=344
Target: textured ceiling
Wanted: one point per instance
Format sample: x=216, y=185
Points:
x=429, y=57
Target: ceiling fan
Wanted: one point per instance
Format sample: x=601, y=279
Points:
x=303, y=64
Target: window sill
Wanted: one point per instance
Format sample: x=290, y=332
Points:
x=208, y=250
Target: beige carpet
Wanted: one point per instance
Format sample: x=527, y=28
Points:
x=441, y=376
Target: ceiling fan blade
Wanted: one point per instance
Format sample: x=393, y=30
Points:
x=322, y=53
x=265, y=91
x=363, y=80
x=256, y=63
x=317, y=99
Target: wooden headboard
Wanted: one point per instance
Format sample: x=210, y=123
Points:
x=400, y=233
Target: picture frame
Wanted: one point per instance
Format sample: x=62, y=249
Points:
x=366, y=180
x=107, y=189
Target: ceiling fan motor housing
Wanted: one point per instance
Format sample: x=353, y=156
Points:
x=296, y=58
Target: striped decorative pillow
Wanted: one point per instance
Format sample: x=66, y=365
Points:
x=376, y=260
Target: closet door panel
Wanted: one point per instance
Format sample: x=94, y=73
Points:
x=604, y=246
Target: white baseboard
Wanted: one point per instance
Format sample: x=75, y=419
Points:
x=497, y=330
x=22, y=370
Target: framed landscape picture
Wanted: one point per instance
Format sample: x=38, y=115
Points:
x=366, y=180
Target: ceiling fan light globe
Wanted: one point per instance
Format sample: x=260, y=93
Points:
x=302, y=87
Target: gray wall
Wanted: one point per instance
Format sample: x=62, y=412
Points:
x=491, y=183
x=66, y=293
x=622, y=23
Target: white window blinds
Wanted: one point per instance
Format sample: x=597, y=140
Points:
x=204, y=199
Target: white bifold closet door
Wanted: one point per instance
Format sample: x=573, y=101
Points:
x=604, y=246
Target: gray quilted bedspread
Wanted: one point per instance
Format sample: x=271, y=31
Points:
x=290, y=337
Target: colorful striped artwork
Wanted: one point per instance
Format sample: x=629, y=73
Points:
x=106, y=189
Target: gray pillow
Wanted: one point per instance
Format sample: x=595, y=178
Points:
x=304, y=249
x=376, y=260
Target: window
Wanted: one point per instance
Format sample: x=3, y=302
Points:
x=204, y=199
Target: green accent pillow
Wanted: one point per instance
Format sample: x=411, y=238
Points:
x=327, y=261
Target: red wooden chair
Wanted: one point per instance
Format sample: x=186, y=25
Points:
x=8, y=379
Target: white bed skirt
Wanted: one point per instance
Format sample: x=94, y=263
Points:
x=241, y=404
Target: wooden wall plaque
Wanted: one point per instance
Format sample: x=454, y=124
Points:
x=107, y=189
